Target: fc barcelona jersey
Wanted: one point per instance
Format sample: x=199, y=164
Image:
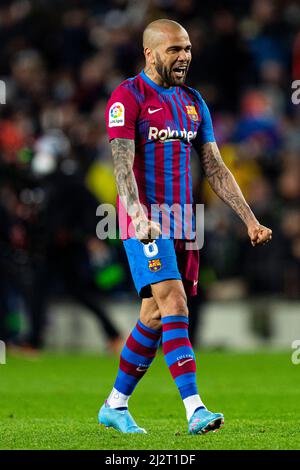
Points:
x=164, y=123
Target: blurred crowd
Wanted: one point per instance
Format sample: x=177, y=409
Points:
x=60, y=60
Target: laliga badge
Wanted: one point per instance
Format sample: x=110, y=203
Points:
x=116, y=115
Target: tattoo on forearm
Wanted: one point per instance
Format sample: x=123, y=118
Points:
x=223, y=182
x=123, y=157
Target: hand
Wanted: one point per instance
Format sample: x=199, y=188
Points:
x=146, y=231
x=259, y=234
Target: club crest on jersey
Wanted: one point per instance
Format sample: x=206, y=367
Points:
x=116, y=115
x=154, y=265
x=192, y=113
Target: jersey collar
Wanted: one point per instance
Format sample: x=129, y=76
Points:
x=158, y=88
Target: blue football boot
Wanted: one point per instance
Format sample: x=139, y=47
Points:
x=121, y=420
x=203, y=421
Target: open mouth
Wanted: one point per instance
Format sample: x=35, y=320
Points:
x=179, y=72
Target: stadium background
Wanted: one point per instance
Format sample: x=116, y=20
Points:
x=60, y=61
x=66, y=297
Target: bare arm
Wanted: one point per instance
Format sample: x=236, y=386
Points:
x=223, y=182
x=123, y=157
x=123, y=152
x=225, y=186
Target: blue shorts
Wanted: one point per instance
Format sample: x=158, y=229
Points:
x=159, y=261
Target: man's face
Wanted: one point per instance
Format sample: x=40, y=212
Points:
x=173, y=57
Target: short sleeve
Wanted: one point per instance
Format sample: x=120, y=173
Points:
x=121, y=114
x=206, y=131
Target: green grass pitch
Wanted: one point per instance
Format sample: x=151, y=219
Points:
x=52, y=403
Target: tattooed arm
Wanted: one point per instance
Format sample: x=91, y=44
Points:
x=225, y=186
x=123, y=157
x=223, y=183
x=123, y=152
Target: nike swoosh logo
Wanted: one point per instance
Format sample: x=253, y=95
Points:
x=151, y=111
x=184, y=362
x=141, y=369
x=195, y=283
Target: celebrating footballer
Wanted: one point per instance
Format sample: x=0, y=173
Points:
x=153, y=120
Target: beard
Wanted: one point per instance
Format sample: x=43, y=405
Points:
x=168, y=74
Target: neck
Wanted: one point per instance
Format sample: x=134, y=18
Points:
x=155, y=77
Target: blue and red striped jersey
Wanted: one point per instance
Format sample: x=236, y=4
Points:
x=164, y=123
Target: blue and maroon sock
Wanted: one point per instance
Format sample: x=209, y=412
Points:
x=180, y=358
x=136, y=357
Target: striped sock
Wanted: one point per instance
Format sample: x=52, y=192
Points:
x=180, y=358
x=136, y=357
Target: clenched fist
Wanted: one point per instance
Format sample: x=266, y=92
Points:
x=146, y=231
x=259, y=234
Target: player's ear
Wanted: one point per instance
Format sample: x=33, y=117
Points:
x=149, y=55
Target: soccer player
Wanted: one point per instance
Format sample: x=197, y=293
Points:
x=153, y=120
